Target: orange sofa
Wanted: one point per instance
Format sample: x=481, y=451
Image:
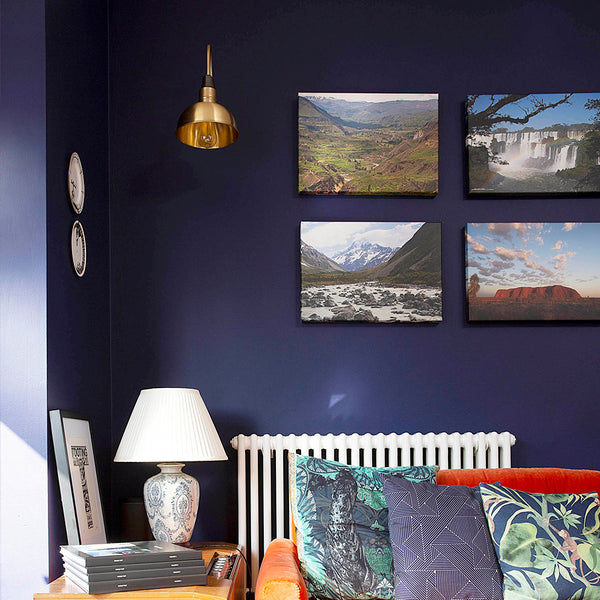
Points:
x=279, y=577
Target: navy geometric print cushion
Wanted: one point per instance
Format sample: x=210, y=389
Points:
x=440, y=542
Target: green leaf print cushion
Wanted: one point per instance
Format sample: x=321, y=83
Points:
x=341, y=522
x=548, y=545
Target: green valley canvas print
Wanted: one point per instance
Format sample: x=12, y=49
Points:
x=386, y=272
x=533, y=144
x=377, y=144
x=533, y=271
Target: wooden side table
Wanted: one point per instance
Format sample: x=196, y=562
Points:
x=228, y=584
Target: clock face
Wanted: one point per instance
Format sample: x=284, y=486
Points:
x=76, y=183
x=78, y=248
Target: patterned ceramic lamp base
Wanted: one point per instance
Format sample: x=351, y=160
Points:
x=171, y=498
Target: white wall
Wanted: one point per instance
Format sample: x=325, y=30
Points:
x=23, y=518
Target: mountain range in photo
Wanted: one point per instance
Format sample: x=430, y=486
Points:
x=369, y=281
x=368, y=144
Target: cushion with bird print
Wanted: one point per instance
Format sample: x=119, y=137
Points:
x=548, y=545
x=341, y=522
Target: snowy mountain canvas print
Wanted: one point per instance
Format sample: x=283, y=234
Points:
x=368, y=144
x=386, y=272
x=533, y=143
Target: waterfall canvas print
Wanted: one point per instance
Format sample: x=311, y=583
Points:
x=368, y=144
x=533, y=271
x=533, y=143
x=372, y=272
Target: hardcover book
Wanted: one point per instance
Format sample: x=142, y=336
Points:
x=102, y=587
x=124, y=553
x=135, y=571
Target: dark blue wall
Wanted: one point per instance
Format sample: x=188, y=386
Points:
x=23, y=221
x=78, y=345
x=205, y=244
x=22, y=298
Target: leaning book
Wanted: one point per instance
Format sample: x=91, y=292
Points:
x=126, y=553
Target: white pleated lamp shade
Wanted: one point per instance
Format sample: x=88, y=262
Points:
x=170, y=425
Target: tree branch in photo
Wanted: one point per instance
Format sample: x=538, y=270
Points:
x=481, y=122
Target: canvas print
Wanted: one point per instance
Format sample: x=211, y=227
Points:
x=533, y=143
x=372, y=272
x=368, y=144
x=533, y=271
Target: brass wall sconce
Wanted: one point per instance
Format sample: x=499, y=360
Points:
x=207, y=124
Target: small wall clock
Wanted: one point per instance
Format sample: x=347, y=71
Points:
x=76, y=183
x=78, y=248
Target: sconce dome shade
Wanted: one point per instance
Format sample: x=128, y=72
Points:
x=206, y=125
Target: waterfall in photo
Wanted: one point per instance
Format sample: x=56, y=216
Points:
x=541, y=151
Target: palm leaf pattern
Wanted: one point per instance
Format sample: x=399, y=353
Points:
x=548, y=545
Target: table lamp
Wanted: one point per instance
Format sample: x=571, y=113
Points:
x=170, y=426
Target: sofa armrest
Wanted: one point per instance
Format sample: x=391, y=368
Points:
x=279, y=576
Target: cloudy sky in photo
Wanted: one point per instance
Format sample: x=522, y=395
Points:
x=333, y=237
x=368, y=97
x=509, y=255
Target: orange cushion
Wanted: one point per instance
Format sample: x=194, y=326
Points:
x=544, y=480
x=279, y=576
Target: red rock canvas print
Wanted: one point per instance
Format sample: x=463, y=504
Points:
x=533, y=271
x=386, y=272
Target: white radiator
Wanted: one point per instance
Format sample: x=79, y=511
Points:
x=263, y=499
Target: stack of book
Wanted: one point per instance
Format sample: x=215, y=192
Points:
x=102, y=568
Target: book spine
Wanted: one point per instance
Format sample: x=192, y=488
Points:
x=103, y=587
x=187, y=564
x=137, y=574
x=132, y=559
